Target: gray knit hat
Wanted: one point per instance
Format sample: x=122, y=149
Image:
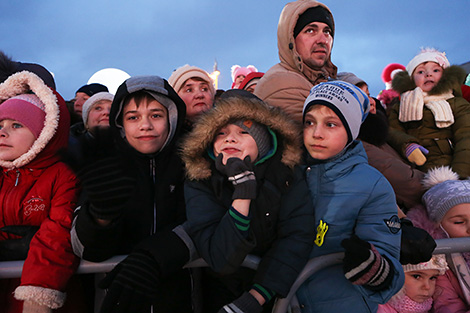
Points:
x=259, y=133
x=349, y=102
x=446, y=192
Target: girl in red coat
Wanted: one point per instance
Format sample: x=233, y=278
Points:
x=37, y=192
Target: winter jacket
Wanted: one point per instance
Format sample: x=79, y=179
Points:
x=38, y=189
x=157, y=202
x=288, y=83
x=447, y=146
x=404, y=178
x=351, y=197
x=281, y=217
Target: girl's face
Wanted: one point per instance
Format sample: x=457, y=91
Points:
x=420, y=285
x=456, y=222
x=15, y=139
x=427, y=75
x=234, y=142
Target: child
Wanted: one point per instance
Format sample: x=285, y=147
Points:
x=447, y=215
x=431, y=125
x=245, y=195
x=239, y=73
x=355, y=208
x=420, y=283
x=133, y=191
x=37, y=190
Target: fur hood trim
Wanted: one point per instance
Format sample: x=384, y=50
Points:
x=452, y=79
x=24, y=82
x=438, y=175
x=51, y=298
x=194, y=146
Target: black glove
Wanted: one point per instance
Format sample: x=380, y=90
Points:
x=417, y=245
x=132, y=284
x=17, y=249
x=363, y=264
x=107, y=187
x=245, y=304
x=241, y=174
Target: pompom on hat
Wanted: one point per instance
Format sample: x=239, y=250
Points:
x=389, y=72
x=446, y=191
x=100, y=96
x=26, y=109
x=349, y=102
x=427, y=55
x=185, y=72
x=437, y=262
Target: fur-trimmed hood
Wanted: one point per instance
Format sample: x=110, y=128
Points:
x=452, y=79
x=54, y=135
x=196, y=143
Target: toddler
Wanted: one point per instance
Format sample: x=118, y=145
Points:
x=420, y=283
x=431, y=124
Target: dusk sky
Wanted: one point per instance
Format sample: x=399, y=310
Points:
x=146, y=37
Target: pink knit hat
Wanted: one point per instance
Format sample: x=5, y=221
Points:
x=26, y=109
x=237, y=70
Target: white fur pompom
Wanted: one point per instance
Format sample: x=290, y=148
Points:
x=438, y=175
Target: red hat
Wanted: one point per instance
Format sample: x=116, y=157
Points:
x=389, y=71
x=26, y=109
x=250, y=79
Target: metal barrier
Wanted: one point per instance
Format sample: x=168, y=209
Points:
x=12, y=269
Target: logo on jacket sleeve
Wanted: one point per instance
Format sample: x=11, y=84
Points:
x=34, y=204
x=393, y=224
x=321, y=232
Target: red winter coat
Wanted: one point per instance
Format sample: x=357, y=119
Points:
x=37, y=189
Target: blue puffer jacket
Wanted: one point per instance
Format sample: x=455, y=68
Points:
x=351, y=197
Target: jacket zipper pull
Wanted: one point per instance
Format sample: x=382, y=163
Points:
x=17, y=177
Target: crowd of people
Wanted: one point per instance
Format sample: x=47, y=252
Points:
x=290, y=164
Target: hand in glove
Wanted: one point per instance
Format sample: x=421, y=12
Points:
x=107, y=187
x=417, y=245
x=131, y=285
x=240, y=173
x=363, y=264
x=17, y=249
x=245, y=304
x=415, y=153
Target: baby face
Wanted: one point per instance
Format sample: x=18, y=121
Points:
x=420, y=285
x=427, y=75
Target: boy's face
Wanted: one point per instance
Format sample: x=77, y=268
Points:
x=324, y=133
x=234, y=142
x=427, y=75
x=145, y=126
x=15, y=139
x=99, y=114
x=420, y=285
x=197, y=96
x=80, y=99
x=456, y=222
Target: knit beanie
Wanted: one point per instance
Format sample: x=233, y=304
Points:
x=315, y=14
x=349, y=102
x=103, y=95
x=427, y=55
x=250, y=79
x=259, y=133
x=446, y=192
x=91, y=89
x=237, y=70
x=437, y=262
x=26, y=109
x=349, y=77
x=185, y=72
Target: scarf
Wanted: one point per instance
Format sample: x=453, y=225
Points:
x=403, y=304
x=412, y=103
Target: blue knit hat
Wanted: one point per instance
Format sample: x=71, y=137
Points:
x=447, y=192
x=349, y=102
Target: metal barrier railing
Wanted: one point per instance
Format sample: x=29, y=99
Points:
x=12, y=269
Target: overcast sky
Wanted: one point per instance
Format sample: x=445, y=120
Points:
x=75, y=39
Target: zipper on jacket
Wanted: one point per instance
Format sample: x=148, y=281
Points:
x=17, y=177
x=153, y=175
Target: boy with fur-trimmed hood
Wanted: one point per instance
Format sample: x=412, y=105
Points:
x=431, y=124
x=246, y=195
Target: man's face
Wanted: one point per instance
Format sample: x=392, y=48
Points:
x=314, y=44
x=80, y=99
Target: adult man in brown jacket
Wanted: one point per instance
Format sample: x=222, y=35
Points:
x=305, y=37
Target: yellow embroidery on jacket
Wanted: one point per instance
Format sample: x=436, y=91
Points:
x=321, y=232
